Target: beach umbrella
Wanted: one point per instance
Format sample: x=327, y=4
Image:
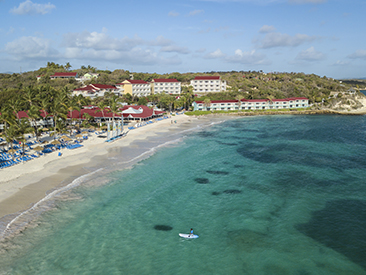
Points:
x=79, y=136
x=12, y=151
x=44, y=141
x=45, y=129
x=55, y=142
x=67, y=138
x=85, y=133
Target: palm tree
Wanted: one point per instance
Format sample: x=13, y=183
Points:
x=238, y=98
x=207, y=103
x=22, y=127
x=33, y=116
x=102, y=105
x=58, y=109
x=11, y=135
x=114, y=106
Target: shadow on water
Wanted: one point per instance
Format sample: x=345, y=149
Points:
x=299, y=155
x=163, y=227
x=341, y=226
x=215, y=172
x=202, y=180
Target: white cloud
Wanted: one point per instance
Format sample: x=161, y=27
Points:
x=28, y=7
x=251, y=58
x=173, y=14
x=174, y=48
x=195, y=12
x=275, y=39
x=99, y=41
x=310, y=55
x=30, y=47
x=267, y=29
x=213, y=55
x=340, y=63
x=359, y=54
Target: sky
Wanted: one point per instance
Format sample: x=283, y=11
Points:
x=322, y=37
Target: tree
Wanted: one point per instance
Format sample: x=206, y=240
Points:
x=207, y=103
x=114, y=106
x=67, y=66
x=238, y=98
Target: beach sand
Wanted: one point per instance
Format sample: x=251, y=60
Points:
x=24, y=184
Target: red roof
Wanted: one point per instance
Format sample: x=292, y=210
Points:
x=86, y=88
x=207, y=78
x=137, y=81
x=165, y=80
x=64, y=75
x=254, y=100
x=103, y=86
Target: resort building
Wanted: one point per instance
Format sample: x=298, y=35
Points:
x=251, y=104
x=208, y=84
x=94, y=90
x=64, y=75
x=134, y=87
x=167, y=86
x=140, y=113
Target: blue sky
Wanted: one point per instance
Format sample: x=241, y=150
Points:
x=324, y=37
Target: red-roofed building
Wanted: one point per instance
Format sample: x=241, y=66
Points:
x=64, y=75
x=141, y=112
x=208, y=84
x=135, y=87
x=252, y=104
x=94, y=90
x=167, y=86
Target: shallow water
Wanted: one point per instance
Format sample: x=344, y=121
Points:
x=266, y=195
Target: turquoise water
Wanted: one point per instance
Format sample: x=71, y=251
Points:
x=266, y=195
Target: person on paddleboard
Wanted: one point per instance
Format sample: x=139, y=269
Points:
x=191, y=232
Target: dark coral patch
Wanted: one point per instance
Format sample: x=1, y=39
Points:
x=232, y=191
x=163, y=227
x=216, y=193
x=214, y=172
x=202, y=180
x=340, y=226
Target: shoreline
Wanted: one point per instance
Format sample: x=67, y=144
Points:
x=25, y=184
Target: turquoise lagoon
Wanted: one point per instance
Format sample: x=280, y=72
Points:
x=266, y=195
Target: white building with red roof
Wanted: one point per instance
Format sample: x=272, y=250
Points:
x=94, y=90
x=252, y=104
x=167, y=86
x=135, y=87
x=208, y=84
x=64, y=75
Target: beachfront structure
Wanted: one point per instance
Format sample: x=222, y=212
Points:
x=167, y=86
x=135, y=87
x=208, y=84
x=141, y=113
x=251, y=104
x=94, y=90
x=64, y=75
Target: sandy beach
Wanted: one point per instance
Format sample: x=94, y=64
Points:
x=26, y=183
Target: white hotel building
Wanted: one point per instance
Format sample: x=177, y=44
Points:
x=252, y=104
x=208, y=84
x=168, y=86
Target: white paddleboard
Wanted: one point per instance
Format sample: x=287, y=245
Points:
x=188, y=236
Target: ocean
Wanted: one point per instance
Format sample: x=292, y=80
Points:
x=265, y=194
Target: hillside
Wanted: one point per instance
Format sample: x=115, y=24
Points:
x=247, y=84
